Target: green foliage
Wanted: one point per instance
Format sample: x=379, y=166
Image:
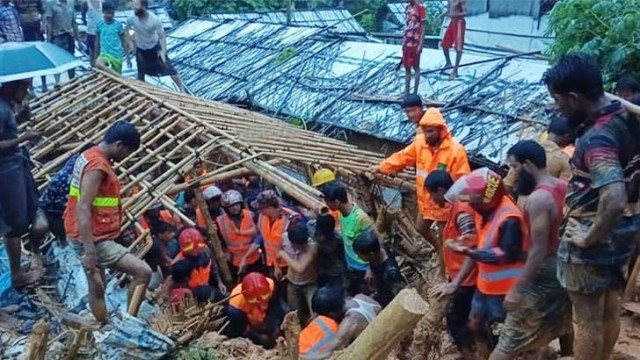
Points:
x=195, y=353
x=434, y=10
x=606, y=29
x=189, y=8
x=286, y=54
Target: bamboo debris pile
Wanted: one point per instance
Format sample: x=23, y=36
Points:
x=189, y=320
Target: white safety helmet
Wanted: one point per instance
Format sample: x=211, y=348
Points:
x=211, y=192
x=231, y=197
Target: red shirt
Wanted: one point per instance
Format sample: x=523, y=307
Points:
x=415, y=16
x=558, y=191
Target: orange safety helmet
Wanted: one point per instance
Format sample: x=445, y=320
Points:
x=482, y=188
x=192, y=242
x=256, y=289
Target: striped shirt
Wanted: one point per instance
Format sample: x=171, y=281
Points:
x=606, y=152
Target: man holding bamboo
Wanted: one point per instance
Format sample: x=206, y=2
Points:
x=434, y=149
x=93, y=217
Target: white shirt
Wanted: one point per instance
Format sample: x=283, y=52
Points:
x=146, y=31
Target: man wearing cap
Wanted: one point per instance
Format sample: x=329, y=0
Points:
x=240, y=234
x=213, y=197
x=435, y=149
x=503, y=242
x=274, y=221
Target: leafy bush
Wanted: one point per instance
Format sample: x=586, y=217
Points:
x=434, y=10
x=609, y=30
x=187, y=8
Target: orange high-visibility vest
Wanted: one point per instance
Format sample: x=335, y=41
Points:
x=452, y=260
x=255, y=312
x=106, y=214
x=272, y=234
x=316, y=336
x=199, y=276
x=238, y=245
x=498, y=279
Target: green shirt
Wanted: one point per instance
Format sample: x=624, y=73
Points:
x=110, y=42
x=352, y=225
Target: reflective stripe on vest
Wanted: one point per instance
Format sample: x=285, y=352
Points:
x=320, y=331
x=98, y=201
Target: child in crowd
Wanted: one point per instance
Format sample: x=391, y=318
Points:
x=178, y=288
x=300, y=253
x=165, y=247
x=384, y=267
x=110, y=43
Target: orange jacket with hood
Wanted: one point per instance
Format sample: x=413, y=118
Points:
x=449, y=156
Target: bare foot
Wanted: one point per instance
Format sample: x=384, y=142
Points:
x=25, y=279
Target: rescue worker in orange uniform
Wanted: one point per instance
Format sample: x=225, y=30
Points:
x=198, y=170
x=254, y=311
x=273, y=222
x=433, y=149
x=314, y=339
x=240, y=234
x=352, y=314
x=194, y=249
x=320, y=178
x=151, y=218
x=213, y=197
x=500, y=254
x=93, y=216
x=461, y=270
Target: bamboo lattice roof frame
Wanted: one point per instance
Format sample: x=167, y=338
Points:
x=177, y=129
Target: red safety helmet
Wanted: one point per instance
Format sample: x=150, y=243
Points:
x=482, y=188
x=192, y=242
x=255, y=288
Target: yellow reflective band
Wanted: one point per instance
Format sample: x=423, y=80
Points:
x=98, y=201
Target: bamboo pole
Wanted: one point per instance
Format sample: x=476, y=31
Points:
x=220, y=177
x=390, y=327
x=39, y=340
x=75, y=345
x=216, y=243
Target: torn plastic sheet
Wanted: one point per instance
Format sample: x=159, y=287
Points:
x=127, y=337
x=73, y=287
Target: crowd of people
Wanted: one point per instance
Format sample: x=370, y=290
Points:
x=547, y=244
x=107, y=42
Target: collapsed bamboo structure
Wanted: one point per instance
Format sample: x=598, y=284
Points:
x=176, y=131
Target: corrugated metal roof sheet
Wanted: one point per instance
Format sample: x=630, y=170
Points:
x=293, y=72
x=341, y=21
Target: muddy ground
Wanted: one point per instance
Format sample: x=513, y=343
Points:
x=627, y=348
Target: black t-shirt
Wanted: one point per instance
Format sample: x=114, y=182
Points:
x=389, y=280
